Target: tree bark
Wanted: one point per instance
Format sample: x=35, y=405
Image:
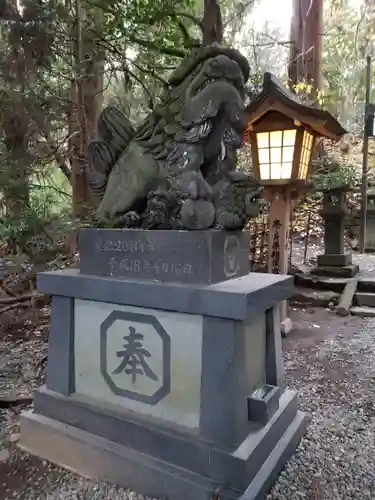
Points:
x=212, y=22
x=306, y=53
x=87, y=97
x=16, y=138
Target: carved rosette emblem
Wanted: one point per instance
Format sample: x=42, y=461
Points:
x=232, y=249
x=135, y=356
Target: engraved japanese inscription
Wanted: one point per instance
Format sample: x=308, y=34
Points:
x=134, y=357
x=138, y=364
x=137, y=257
x=202, y=257
x=136, y=254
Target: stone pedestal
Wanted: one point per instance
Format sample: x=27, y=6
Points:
x=334, y=262
x=173, y=389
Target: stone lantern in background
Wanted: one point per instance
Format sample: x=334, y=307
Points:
x=335, y=262
x=370, y=221
x=282, y=132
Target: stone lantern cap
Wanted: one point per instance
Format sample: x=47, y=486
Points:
x=334, y=203
x=276, y=97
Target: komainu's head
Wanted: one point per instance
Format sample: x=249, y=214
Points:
x=198, y=58
x=203, y=110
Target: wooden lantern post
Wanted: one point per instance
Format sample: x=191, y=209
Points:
x=282, y=132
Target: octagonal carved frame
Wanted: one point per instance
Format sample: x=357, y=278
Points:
x=148, y=319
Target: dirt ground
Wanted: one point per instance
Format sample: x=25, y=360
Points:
x=22, y=369
x=313, y=326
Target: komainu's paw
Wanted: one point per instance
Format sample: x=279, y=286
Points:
x=229, y=221
x=197, y=214
x=130, y=220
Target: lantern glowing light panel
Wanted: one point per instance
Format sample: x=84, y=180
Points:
x=284, y=155
x=307, y=145
x=275, y=153
x=282, y=131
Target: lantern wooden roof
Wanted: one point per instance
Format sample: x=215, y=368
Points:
x=275, y=97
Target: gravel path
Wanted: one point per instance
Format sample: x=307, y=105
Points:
x=336, y=384
x=330, y=360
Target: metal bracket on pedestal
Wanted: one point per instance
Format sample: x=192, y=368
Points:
x=263, y=403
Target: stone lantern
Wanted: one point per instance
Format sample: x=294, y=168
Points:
x=370, y=221
x=334, y=261
x=370, y=120
x=282, y=132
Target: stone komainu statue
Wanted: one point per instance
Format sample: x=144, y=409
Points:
x=178, y=170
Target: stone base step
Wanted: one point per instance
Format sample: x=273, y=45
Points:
x=366, y=285
x=364, y=299
x=337, y=272
x=100, y=459
x=318, y=298
x=320, y=282
x=364, y=312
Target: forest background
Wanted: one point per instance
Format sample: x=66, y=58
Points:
x=61, y=61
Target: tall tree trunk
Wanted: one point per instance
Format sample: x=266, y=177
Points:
x=16, y=187
x=15, y=129
x=306, y=53
x=87, y=96
x=212, y=22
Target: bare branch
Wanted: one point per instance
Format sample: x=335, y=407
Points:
x=240, y=12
